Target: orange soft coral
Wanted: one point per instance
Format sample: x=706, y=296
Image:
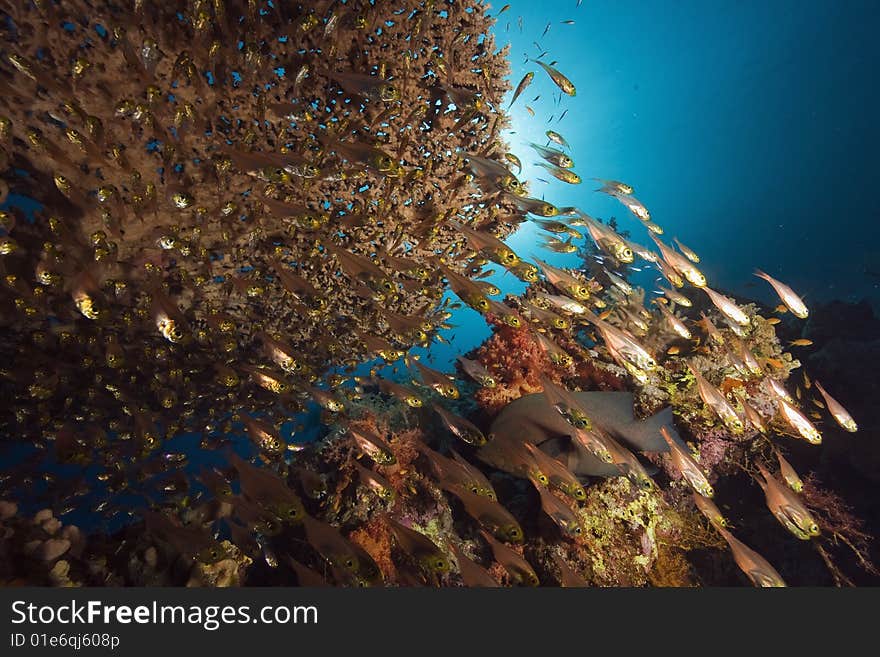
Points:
x=517, y=361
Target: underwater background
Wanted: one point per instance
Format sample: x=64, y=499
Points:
x=747, y=129
x=747, y=126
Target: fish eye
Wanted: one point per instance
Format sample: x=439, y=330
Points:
x=440, y=564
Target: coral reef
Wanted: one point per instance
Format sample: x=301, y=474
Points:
x=226, y=233
x=224, y=204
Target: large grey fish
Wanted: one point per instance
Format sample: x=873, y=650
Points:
x=532, y=419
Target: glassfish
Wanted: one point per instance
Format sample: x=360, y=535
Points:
x=844, y=419
x=791, y=300
x=687, y=466
x=756, y=567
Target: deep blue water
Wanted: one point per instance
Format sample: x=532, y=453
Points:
x=749, y=129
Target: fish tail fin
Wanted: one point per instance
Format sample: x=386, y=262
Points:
x=646, y=435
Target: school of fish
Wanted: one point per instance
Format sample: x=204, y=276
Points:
x=237, y=204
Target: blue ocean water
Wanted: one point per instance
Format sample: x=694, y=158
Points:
x=748, y=129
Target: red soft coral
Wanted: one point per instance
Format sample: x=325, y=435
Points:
x=517, y=361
